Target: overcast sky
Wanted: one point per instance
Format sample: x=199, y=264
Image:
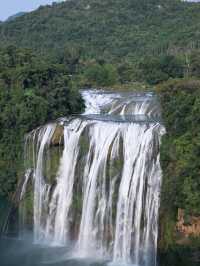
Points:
x=11, y=7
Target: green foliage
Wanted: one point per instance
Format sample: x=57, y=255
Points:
x=157, y=69
x=101, y=75
x=127, y=72
x=181, y=147
x=32, y=92
x=108, y=28
x=179, y=256
x=194, y=63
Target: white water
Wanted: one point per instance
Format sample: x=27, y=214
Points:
x=99, y=102
x=57, y=221
x=134, y=226
x=105, y=196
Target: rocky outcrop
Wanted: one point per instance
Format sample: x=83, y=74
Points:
x=188, y=225
x=57, y=136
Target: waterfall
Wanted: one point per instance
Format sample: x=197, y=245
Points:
x=96, y=178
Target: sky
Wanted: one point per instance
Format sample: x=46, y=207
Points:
x=11, y=7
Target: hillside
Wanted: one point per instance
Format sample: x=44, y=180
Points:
x=115, y=44
x=17, y=15
x=108, y=28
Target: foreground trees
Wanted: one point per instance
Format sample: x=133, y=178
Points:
x=32, y=92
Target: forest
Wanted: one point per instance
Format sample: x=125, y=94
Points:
x=47, y=55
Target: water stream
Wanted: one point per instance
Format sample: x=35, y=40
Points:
x=95, y=179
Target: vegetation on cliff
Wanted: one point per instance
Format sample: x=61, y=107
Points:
x=181, y=146
x=32, y=92
x=109, y=29
x=105, y=43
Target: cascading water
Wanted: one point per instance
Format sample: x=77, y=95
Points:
x=102, y=189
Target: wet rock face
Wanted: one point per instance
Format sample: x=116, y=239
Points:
x=188, y=225
x=57, y=137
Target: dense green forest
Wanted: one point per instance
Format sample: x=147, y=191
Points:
x=47, y=55
x=111, y=29
x=32, y=91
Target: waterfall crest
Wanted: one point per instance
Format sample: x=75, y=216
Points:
x=97, y=177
